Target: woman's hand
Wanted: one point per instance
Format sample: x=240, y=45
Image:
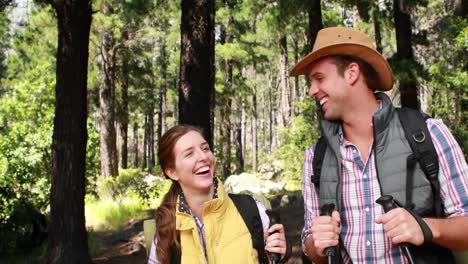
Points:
x=275, y=242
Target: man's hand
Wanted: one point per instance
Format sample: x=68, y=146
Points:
x=401, y=227
x=325, y=232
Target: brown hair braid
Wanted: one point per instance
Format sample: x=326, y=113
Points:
x=166, y=212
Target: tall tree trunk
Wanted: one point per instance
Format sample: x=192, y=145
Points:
x=197, y=72
x=176, y=106
x=265, y=121
x=226, y=123
x=284, y=80
x=254, y=127
x=460, y=8
x=162, y=92
x=145, y=145
x=225, y=137
x=298, y=96
x=408, y=87
x=271, y=117
x=123, y=116
x=315, y=24
x=135, y=145
x=67, y=242
x=238, y=139
x=151, y=156
x=377, y=31
x=108, y=144
x=243, y=132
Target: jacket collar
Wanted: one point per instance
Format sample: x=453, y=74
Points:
x=384, y=115
x=217, y=205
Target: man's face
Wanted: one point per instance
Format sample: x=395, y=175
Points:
x=329, y=88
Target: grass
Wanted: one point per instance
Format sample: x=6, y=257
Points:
x=104, y=215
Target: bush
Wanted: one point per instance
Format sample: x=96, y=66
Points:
x=130, y=182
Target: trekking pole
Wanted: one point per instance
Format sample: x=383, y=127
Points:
x=274, y=219
x=330, y=252
x=388, y=204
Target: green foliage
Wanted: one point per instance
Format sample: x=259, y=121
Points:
x=92, y=159
x=4, y=44
x=448, y=76
x=130, y=182
x=406, y=70
x=26, y=121
x=295, y=139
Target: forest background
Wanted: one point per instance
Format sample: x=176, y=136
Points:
x=88, y=87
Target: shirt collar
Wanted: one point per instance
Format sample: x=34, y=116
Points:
x=183, y=205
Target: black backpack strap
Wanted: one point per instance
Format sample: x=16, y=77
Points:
x=248, y=209
x=424, y=152
x=175, y=253
x=319, y=154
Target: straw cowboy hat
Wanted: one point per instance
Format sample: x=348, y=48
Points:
x=349, y=42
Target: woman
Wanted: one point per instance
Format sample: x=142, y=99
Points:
x=197, y=215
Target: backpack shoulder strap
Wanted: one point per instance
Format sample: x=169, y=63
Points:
x=248, y=209
x=424, y=152
x=319, y=154
x=175, y=254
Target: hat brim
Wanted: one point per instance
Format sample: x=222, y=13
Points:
x=371, y=56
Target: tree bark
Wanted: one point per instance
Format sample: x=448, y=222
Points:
x=67, y=241
x=254, y=135
x=197, y=72
x=108, y=144
x=238, y=139
x=284, y=80
x=145, y=144
x=460, y=8
x=315, y=24
x=151, y=156
x=135, y=145
x=162, y=92
x=377, y=31
x=271, y=117
x=408, y=87
x=243, y=132
x=225, y=137
x=123, y=116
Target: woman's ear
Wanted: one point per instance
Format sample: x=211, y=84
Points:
x=171, y=174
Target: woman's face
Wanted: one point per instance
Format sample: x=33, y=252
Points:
x=194, y=163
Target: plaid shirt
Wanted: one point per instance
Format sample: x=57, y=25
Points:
x=364, y=240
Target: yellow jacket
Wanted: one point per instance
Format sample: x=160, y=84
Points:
x=228, y=239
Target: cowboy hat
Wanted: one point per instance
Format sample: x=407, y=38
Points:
x=347, y=42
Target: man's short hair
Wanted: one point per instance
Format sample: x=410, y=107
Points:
x=370, y=75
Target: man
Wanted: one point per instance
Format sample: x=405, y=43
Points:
x=366, y=158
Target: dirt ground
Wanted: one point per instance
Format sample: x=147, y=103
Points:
x=127, y=246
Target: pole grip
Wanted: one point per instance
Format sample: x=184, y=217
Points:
x=327, y=209
x=274, y=219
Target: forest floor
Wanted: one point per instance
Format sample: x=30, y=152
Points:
x=127, y=245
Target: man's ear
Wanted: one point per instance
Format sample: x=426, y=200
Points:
x=352, y=73
x=171, y=174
